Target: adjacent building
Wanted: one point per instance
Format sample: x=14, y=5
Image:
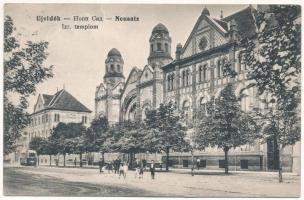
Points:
x=190, y=80
x=49, y=110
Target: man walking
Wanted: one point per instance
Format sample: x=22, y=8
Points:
x=152, y=169
x=198, y=162
x=100, y=166
x=141, y=170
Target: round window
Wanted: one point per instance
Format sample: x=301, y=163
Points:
x=203, y=43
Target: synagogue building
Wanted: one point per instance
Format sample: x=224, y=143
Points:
x=190, y=79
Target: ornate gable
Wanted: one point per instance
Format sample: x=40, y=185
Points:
x=39, y=104
x=206, y=34
x=147, y=74
x=100, y=91
x=131, y=82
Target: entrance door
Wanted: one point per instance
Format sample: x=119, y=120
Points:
x=272, y=154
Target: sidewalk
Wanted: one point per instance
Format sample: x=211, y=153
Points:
x=174, y=183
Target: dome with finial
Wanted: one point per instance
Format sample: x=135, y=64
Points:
x=160, y=28
x=114, y=52
x=205, y=12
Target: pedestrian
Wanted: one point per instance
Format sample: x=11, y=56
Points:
x=121, y=171
x=116, y=167
x=118, y=164
x=109, y=167
x=75, y=161
x=198, y=162
x=137, y=169
x=152, y=169
x=141, y=170
x=100, y=166
x=125, y=170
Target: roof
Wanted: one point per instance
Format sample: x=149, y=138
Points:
x=245, y=21
x=160, y=28
x=62, y=100
x=221, y=23
x=114, y=52
x=47, y=98
x=114, y=74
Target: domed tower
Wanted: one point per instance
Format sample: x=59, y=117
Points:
x=114, y=68
x=160, y=46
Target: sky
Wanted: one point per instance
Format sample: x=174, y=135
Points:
x=78, y=56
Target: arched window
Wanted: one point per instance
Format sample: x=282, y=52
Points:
x=205, y=72
x=158, y=46
x=183, y=78
x=172, y=82
x=187, y=77
x=186, y=110
x=239, y=62
x=218, y=69
x=112, y=67
x=132, y=112
x=168, y=82
x=151, y=47
x=203, y=102
x=166, y=47
x=200, y=69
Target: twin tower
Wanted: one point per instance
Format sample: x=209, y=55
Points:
x=112, y=98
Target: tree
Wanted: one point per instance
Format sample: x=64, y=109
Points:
x=63, y=137
x=164, y=130
x=79, y=147
x=282, y=126
x=273, y=58
x=132, y=139
x=50, y=148
x=96, y=135
x=23, y=70
x=224, y=126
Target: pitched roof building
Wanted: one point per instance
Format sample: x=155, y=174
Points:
x=49, y=110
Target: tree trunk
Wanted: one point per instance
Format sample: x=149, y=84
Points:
x=80, y=157
x=102, y=159
x=38, y=159
x=64, y=159
x=226, y=149
x=167, y=158
x=280, y=164
x=131, y=160
x=50, y=160
x=192, y=168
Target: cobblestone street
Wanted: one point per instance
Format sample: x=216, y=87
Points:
x=52, y=181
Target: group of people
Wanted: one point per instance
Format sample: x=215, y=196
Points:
x=121, y=168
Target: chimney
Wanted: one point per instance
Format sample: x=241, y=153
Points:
x=233, y=30
x=178, y=51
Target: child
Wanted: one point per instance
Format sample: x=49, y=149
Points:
x=137, y=169
x=125, y=169
x=121, y=171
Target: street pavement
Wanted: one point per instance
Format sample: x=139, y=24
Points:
x=53, y=181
